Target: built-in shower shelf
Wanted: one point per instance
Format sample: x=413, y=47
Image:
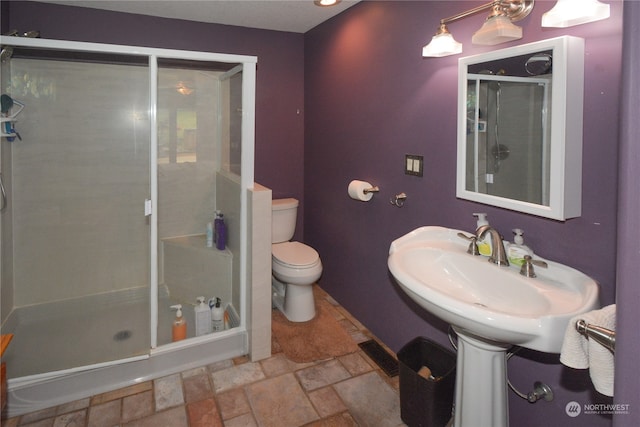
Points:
x=191, y=269
x=198, y=241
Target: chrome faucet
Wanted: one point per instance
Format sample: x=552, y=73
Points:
x=498, y=254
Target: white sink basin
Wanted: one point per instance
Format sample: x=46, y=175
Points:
x=485, y=300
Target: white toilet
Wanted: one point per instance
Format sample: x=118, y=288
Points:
x=294, y=265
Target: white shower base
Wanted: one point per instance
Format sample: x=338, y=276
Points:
x=84, y=331
x=69, y=350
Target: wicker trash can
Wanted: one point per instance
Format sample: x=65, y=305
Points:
x=426, y=395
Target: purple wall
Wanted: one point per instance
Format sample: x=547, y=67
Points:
x=280, y=73
x=627, y=387
x=370, y=99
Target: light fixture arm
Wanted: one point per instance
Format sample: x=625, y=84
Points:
x=443, y=43
x=467, y=13
x=514, y=9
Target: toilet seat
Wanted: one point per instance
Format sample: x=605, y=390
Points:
x=294, y=254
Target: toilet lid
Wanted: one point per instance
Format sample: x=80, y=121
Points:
x=294, y=253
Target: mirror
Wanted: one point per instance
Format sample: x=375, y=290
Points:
x=520, y=128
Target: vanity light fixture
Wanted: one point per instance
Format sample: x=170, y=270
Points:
x=498, y=28
x=567, y=13
x=442, y=44
x=326, y=3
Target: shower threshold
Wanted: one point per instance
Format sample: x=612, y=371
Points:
x=36, y=394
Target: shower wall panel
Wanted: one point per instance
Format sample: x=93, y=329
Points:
x=80, y=179
x=259, y=312
x=188, y=142
x=191, y=269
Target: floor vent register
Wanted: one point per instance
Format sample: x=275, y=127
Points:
x=382, y=357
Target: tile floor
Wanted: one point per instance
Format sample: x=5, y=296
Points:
x=349, y=390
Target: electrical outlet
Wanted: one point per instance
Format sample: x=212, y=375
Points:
x=413, y=165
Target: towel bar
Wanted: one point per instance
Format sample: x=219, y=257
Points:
x=601, y=335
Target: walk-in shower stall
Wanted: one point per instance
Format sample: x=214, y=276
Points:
x=113, y=161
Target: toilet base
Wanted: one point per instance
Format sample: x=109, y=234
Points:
x=296, y=302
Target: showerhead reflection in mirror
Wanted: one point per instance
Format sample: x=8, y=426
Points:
x=539, y=64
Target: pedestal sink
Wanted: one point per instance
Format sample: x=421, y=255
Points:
x=491, y=308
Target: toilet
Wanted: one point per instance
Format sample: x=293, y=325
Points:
x=295, y=266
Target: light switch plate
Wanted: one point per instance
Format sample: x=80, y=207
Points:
x=413, y=164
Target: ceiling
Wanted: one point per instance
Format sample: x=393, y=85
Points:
x=298, y=16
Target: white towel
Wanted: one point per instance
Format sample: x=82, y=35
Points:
x=579, y=352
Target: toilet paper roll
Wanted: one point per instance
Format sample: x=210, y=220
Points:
x=356, y=190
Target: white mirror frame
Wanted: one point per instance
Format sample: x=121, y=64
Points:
x=565, y=180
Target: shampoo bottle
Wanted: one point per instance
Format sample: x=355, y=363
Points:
x=484, y=244
x=217, y=314
x=179, y=330
x=203, y=317
x=518, y=249
x=221, y=231
x=216, y=225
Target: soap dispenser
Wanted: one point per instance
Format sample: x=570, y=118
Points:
x=203, y=317
x=179, y=330
x=484, y=244
x=518, y=249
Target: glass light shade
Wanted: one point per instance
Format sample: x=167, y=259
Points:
x=326, y=3
x=495, y=30
x=442, y=44
x=567, y=13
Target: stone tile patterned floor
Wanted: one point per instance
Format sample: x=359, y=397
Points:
x=349, y=390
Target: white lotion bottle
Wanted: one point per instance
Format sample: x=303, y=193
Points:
x=484, y=244
x=217, y=315
x=203, y=317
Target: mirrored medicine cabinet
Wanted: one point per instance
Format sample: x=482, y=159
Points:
x=520, y=128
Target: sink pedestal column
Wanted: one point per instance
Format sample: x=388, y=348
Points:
x=481, y=383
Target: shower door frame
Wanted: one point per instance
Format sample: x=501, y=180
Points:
x=248, y=64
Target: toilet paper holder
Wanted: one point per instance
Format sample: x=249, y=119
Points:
x=373, y=189
x=361, y=190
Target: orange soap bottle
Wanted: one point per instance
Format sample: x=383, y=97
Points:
x=179, y=330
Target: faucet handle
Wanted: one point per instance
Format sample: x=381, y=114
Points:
x=473, y=245
x=527, y=268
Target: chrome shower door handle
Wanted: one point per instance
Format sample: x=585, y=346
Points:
x=4, y=195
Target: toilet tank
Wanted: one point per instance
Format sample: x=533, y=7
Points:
x=283, y=219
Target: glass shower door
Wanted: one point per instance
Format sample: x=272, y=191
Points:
x=80, y=178
x=188, y=156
